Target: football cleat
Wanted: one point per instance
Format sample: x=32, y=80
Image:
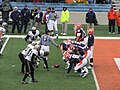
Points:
x=85, y=74
x=34, y=81
x=23, y=82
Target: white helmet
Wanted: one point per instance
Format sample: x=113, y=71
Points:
x=33, y=28
x=4, y=24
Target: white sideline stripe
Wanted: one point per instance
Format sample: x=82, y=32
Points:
x=60, y=37
x=4, y=45
x=95, y=79
x=117, y=61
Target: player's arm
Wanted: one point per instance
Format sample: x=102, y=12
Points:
x=26, y=38
x=61, y=48
x=53, y=42
x=69, y=69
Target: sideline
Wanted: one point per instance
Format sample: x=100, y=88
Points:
x=60, y=37
x=4, y=45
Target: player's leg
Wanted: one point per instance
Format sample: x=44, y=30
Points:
x=84, y=71
x=27, y=73
x=32, y=73
x=21, y=57
x=81, y=64
x=46, y=63
x=56, y=28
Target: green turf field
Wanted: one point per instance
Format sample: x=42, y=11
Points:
x=54, y=79
x=100, y=30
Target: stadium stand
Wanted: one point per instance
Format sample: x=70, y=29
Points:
x=80, y=9
x=71, y=7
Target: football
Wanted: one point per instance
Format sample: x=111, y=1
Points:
x=56, y=65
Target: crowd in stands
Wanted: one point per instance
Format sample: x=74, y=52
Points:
x=92, y=1
x=64, y=1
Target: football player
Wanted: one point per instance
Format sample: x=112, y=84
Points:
x=90, y=45
x=29, y=63
x=79, y=32
x=2, y=32
x=78, y=61
x=24, y=53
x=45, y=41
x=33, y=35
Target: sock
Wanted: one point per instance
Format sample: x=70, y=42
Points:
x=25, y=76
x=91, y=62
x=32, y=75
x=45, y=62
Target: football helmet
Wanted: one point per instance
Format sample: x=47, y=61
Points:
x=90, y=31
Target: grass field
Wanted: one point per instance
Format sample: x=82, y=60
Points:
x=54, y=79
x=100, y=30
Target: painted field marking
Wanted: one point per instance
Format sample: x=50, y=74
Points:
x=4, y=45
x=95, y=79
x=117, y=61
x=62, y=37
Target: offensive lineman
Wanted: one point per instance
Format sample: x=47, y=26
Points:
x=79, y=32
x=45, y=43
x=32, y=35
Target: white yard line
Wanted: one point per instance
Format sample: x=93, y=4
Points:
x=4, y=45
x=63, y=37
x=117, y=61
x=95, y=79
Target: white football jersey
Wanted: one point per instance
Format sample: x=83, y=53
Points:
x=30, y=54
x=33, y=37
x=27, y=49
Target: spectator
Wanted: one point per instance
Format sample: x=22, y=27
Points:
x=32, y=15
x=90, y=19
x=25, y=18
x=5, y=8
x=111, y=18
x=38, y=17
x=118, y=21
x=15, y=16
x=64, y=19
x=45, y=19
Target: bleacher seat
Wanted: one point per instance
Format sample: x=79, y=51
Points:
x=58, y=6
